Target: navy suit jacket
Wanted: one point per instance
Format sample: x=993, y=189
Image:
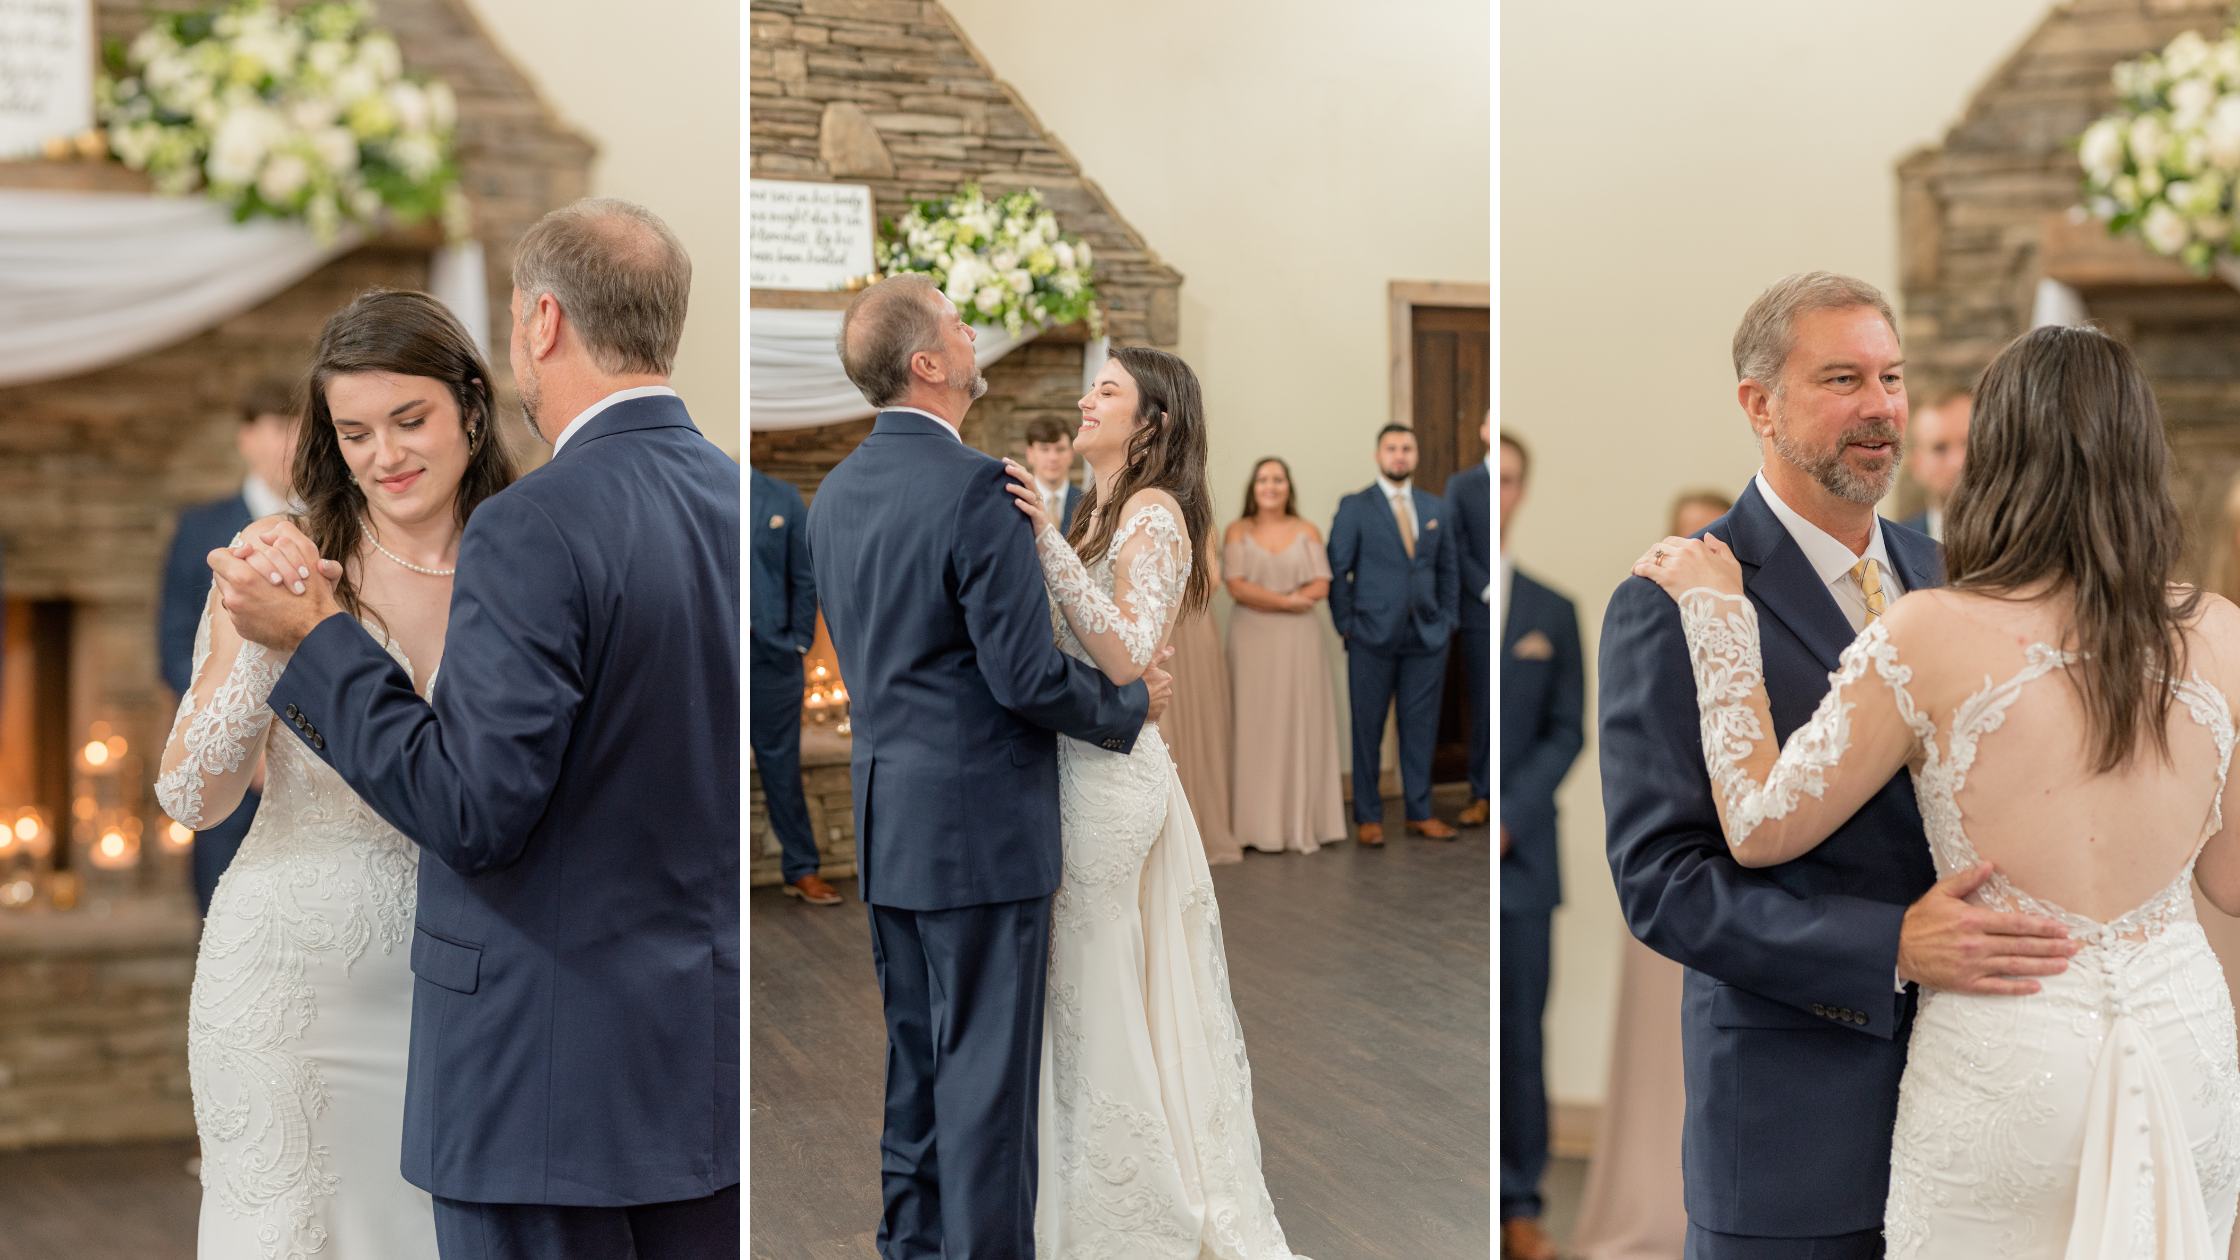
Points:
x=1073, y=496
x=782, y=604
x=1918, y=522
x=1380, y=598
x=1543, y=726
x=1470, y=498
x=186, y=582
x=1792, y=1030
x=934, y=599
x=574, y=788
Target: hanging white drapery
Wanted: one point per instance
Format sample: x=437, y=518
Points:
x=794, y=377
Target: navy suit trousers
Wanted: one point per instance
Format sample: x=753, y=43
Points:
x=963, y=992
x=1706, y=1244
x=1373, y=680
x=1524, y=1089
x=1477, y=649
x=774, y=733
x=214, y=848
x=693, y=1229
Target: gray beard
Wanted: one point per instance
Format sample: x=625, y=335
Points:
x=1837, y=477
x=531, y=399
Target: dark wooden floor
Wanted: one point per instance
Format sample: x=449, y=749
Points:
x=1361, y=980
x=89, y=1201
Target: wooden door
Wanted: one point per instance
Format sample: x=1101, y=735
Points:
x=1453, y=371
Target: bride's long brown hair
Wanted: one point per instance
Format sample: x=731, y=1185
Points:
x=1168, y=452
x=2068, y=481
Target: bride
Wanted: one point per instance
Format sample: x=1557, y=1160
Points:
x=2065, y=711
x=1147, y=1144
x=302, y=1000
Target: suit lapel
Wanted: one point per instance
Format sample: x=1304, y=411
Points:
x=1917, y=558
x=1784, y=581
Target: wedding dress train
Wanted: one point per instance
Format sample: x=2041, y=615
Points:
x=2099, y=1118
x=300, y=1013
x=1147, y=1146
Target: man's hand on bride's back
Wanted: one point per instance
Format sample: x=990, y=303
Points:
x=1160, y=683
x=1949, y=944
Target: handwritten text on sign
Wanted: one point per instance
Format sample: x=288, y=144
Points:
x=46, y=72
x=806, y=236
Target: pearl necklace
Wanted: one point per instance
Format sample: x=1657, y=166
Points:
x=400, y=559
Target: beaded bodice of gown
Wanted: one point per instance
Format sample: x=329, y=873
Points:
x=2099, y=1117
x=1147, y=1146
x=306, y=944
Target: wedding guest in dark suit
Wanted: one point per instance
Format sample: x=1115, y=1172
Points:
x=1543, y=726
x=1394, y=596
x=270, y=414
x=1935, y=452
x=783, y=612
x=1050, y=458
x=1470, y=494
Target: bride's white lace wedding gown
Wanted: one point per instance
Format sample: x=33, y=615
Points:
x=301, y=1010
x=2099, y=1118
x=1147, y=1146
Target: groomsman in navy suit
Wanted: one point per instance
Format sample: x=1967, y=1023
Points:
x=1799, y=989
x=1470, y=495
x=1937, y=449
x=1395, y=596
x=783, y=616
x=266, y=438
x=1050, y=458
x=1543, y=726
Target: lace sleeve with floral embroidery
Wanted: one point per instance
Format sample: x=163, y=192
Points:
x=1151, y=567
x=1778, y=807
x=219, y=733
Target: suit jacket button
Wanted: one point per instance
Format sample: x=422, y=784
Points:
x=317, y=742
x=1819, y=1010
x=294, y=713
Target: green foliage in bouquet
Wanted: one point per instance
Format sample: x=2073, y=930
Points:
x=1001, y=261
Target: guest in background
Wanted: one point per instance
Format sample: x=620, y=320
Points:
x=1470, y=494
x=1935, y=451
x=271, y=410
x=1287, y=794
x=1050, y=458
x=1543, y=726
x=1632, y=1208
x=1395, y=592
x=782, y=618
x=1199, y=724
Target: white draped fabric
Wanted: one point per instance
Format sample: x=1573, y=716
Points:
x=794, y=379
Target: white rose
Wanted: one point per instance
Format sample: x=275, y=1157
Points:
x=284, y=176
x=1003, y=260
x=989, y=301
x=238, y=147
x=2190, y=99
x=417, y=154
x=411, y=106
x=1081, y=252
x=443, y=107
x=2186, y=54
x=326, y=57
x=378, y=53
x=2100, y=151
x=2165, y=229
x=963, y=279
x=337, y=147
x=312, y=113
x=355, y=82
x=2148, y=141
x=1019, y=280
x=1064, y=254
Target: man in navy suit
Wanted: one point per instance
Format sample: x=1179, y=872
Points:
x=573, y=783
x=1050, y=459
x=266, y=439
x=783, y=612
x=1798, y=994
x=1543, y=726
x=1395, y=595
x=1470, y=495
x=935, y=601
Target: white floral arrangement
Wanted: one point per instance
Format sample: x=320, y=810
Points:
x=1001, y=261
x=2163, y=165
x=302, y=115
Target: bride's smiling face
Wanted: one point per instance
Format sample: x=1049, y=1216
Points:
x=402, y=439
x=1108, y=417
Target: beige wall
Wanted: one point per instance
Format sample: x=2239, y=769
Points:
x=1289, y=157
x=659, y=94
x=1661, y=164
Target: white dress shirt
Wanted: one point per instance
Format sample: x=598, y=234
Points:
x=1053, y=500
x=621, y=395
x=262, y=499
x=1832, y=560
x=1936, y=523
x=920, y=411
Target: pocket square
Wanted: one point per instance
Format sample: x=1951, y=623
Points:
x=777, y=522
x=1431, y=524
x=1534, y=647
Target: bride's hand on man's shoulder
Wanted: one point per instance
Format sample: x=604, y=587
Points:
x=1027, y=495
x=1682, y=564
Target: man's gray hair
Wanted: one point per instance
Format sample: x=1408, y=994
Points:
x=619, y=274
x=885, y=325
x=1769, y=327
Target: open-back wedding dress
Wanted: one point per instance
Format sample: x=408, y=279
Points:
x=1147, y=1142
x=301, y=1010
x=2098, y=1118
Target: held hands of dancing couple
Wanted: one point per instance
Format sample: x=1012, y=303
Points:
x=275, y=585
x=1945, y=943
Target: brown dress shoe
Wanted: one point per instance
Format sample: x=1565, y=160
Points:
x=1476, y=813
x=1432, y=829
x=813, y=889
x=1370, y=834
x=1523, y=1239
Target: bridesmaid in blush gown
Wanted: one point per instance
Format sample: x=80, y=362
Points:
x=1199, y=726
x=1287, y=787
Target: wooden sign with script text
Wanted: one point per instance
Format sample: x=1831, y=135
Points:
x=46, y=72
x=805, y=236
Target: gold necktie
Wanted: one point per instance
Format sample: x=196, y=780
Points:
x=1407, y=534
x=1869, y=576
